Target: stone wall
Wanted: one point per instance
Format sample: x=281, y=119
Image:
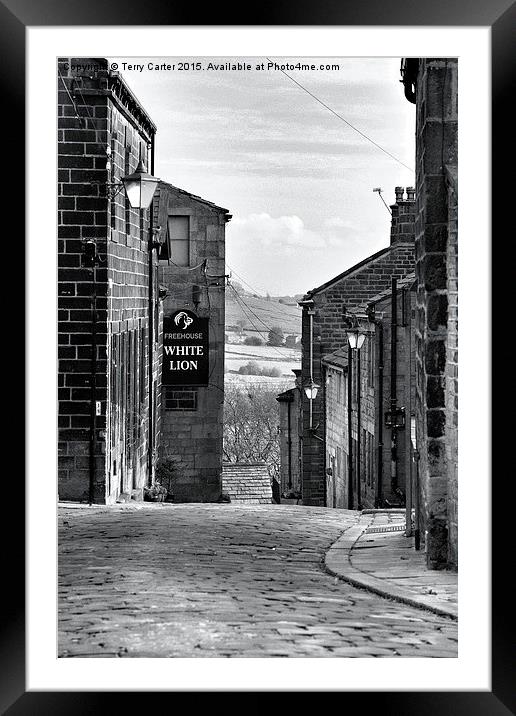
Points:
x=336, y=436
x=290, y=473
x=394, y=473
x=452, y=359
x=192, y=416
x=102, y=132
x=436, y=317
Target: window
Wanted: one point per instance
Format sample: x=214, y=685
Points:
x=180, y=398
x=179, y=233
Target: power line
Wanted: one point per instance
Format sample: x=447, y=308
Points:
x=283, y=312
x=77, y=116
x=260, y=332
x=241, y=300
x=242, y=279
x=85, y=105
x=257, y=317
x=339, y=116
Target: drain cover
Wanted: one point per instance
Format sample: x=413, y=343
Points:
x=386, y=528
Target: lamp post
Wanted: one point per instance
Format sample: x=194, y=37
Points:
x=356, y=339
x=311, y=389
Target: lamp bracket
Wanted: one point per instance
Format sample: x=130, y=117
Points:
x=112, y=188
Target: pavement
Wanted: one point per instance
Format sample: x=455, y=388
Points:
x=226, y=580
x=375, y=554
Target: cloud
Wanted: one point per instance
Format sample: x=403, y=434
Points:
x=281, y=234
x=286, y=235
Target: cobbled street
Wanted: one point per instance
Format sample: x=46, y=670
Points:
x=208, y=580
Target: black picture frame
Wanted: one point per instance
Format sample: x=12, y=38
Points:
x=500, y=16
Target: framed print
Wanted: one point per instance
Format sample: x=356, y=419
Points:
x=237, y=481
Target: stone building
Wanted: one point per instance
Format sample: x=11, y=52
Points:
x=109, y=310
x=191, y=269
x=324, y=331
x=431, y=84
x=290, y=438
x=367, y=454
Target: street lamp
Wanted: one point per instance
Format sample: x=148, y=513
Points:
x=355, y=340
x=311, y=389
x=140, y=187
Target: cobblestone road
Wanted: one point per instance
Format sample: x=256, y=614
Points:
x=223, y=581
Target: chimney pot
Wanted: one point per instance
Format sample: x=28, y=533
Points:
x=411, y=193
x=399, y=191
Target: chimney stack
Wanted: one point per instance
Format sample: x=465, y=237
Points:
x=403, y=216
x=399, y=191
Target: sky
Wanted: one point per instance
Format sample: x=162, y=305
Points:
x=297, y=180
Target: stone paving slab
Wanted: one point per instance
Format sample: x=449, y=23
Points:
x=164, y=580
x=387, y=564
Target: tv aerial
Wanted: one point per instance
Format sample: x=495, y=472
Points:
x=378, y=190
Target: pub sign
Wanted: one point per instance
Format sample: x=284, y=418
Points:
x=185, y=349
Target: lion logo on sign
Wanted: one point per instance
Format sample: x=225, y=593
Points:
x=182, y=316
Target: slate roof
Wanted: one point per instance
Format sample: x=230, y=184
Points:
x=247, y=482
x=338, y=358
x=161, y=206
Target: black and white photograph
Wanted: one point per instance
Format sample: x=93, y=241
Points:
x=258, y=356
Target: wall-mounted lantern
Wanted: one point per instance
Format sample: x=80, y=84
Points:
x=140, y=187
x=311, y=389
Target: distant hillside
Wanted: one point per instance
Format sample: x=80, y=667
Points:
x=260, y=311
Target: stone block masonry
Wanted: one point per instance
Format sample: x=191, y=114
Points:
x=350, y=289
x=436, y=311
x=192, y=271
x=106, y=385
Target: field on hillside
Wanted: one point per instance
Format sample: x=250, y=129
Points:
x=258, y=381
x=260, y=314
x=284, y=359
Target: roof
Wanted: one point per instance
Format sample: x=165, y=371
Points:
x=338, y=358
x=286, y=396
x=349, y=271
x=407, y=281
x=167, y=186
x=247, y=482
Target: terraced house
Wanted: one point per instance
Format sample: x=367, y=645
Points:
x=110, y=313
x=191, y=270
x=141, y=305
x=325, y=321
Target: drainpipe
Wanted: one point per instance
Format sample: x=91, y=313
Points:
x=90, y=259
x=311, y=316
x=93, y=379
x=150, y=445
x=417, y=518
x=350, y=430
x=408, y=412
x=379, y=482
x=289, y=446
x=359, y=428
x=394, y=400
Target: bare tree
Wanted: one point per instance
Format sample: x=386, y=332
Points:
x=251, y=419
